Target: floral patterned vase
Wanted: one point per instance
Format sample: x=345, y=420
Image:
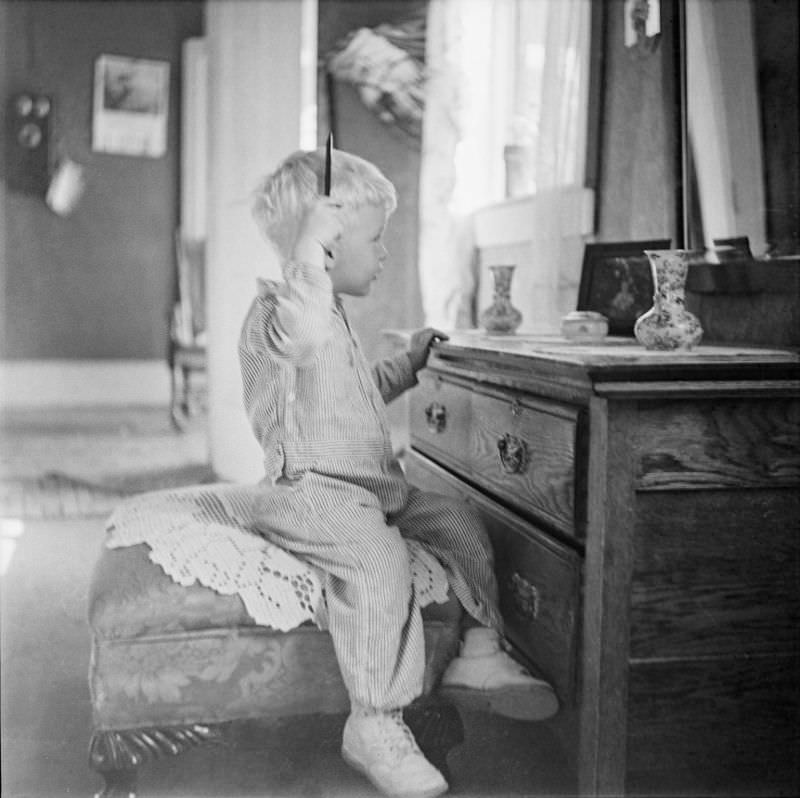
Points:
x=501, y=317
x=668, y=325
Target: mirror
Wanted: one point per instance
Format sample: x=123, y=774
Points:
x=741, y=153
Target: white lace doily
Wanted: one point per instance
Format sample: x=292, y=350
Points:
x=205, y=534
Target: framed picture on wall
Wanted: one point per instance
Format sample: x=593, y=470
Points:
x=616, y=281
x=131, y=99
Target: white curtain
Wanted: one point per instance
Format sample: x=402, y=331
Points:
x=500, y=73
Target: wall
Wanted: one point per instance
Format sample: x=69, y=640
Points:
x=97, y=284
x=639, y=162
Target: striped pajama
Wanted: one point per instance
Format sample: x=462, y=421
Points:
x=336, y=494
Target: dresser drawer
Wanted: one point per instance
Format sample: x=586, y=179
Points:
x=538, y=579
x=440, y=420
x=524, y=452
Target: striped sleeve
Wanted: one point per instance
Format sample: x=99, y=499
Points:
x=298, y=321
x=393, y=376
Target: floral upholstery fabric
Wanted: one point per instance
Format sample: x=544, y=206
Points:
x=131, y=596
x=166, y=654
x=220, y=675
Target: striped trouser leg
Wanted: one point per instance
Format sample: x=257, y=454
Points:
x=454, y=533
x=373, y=616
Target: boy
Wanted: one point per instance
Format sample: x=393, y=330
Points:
x=339, y=497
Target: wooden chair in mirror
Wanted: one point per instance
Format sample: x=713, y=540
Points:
x=186, y=357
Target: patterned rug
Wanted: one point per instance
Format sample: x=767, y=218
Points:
x=59, y=495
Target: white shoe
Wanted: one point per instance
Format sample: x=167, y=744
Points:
x=382, y=747
x=485, y=678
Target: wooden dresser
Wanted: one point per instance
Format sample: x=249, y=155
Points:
x=644, y=513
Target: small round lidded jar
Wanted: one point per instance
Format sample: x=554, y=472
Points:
x=583, y=326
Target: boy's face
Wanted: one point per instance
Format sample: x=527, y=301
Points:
x=361, y=253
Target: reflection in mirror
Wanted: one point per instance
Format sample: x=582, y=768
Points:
x=742, y=123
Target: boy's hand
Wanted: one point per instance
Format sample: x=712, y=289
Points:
x=420, y=346
x=319, y=234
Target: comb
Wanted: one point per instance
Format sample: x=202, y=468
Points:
x=327, y=178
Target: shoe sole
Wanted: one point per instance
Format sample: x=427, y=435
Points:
x=519, y=703
x=356, y=765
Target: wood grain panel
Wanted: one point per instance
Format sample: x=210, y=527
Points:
x=538, y=579
x=724, y=444
x=608, y=572
x=544, y=483
x=717, y=719
x=716, y=573
x=440, y=420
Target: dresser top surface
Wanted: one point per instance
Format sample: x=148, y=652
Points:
x=615, y=364
x=612, y=352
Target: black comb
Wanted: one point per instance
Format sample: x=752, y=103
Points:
x=327, y=178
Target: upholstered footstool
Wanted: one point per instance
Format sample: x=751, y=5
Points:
x=171, y=663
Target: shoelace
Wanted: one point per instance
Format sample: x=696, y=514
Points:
x=396, y=737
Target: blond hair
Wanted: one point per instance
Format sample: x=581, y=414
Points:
x=282, y=198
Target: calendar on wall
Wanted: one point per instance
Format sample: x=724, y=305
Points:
x=131, y=100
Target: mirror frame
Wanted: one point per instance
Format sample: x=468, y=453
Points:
x=678, y=9
x=681, y=126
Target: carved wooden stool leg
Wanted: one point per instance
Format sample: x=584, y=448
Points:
x=118, y=784
x=186, y=403
x=437, y=728
x=117, y=755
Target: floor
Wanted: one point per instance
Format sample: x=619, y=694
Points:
x=61, y=472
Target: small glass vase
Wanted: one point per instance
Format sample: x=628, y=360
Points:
x=501, y=317
x=668, y=324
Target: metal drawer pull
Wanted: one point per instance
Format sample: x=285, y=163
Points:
x=525, y=597
x=436, y=415
x=513, y=454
